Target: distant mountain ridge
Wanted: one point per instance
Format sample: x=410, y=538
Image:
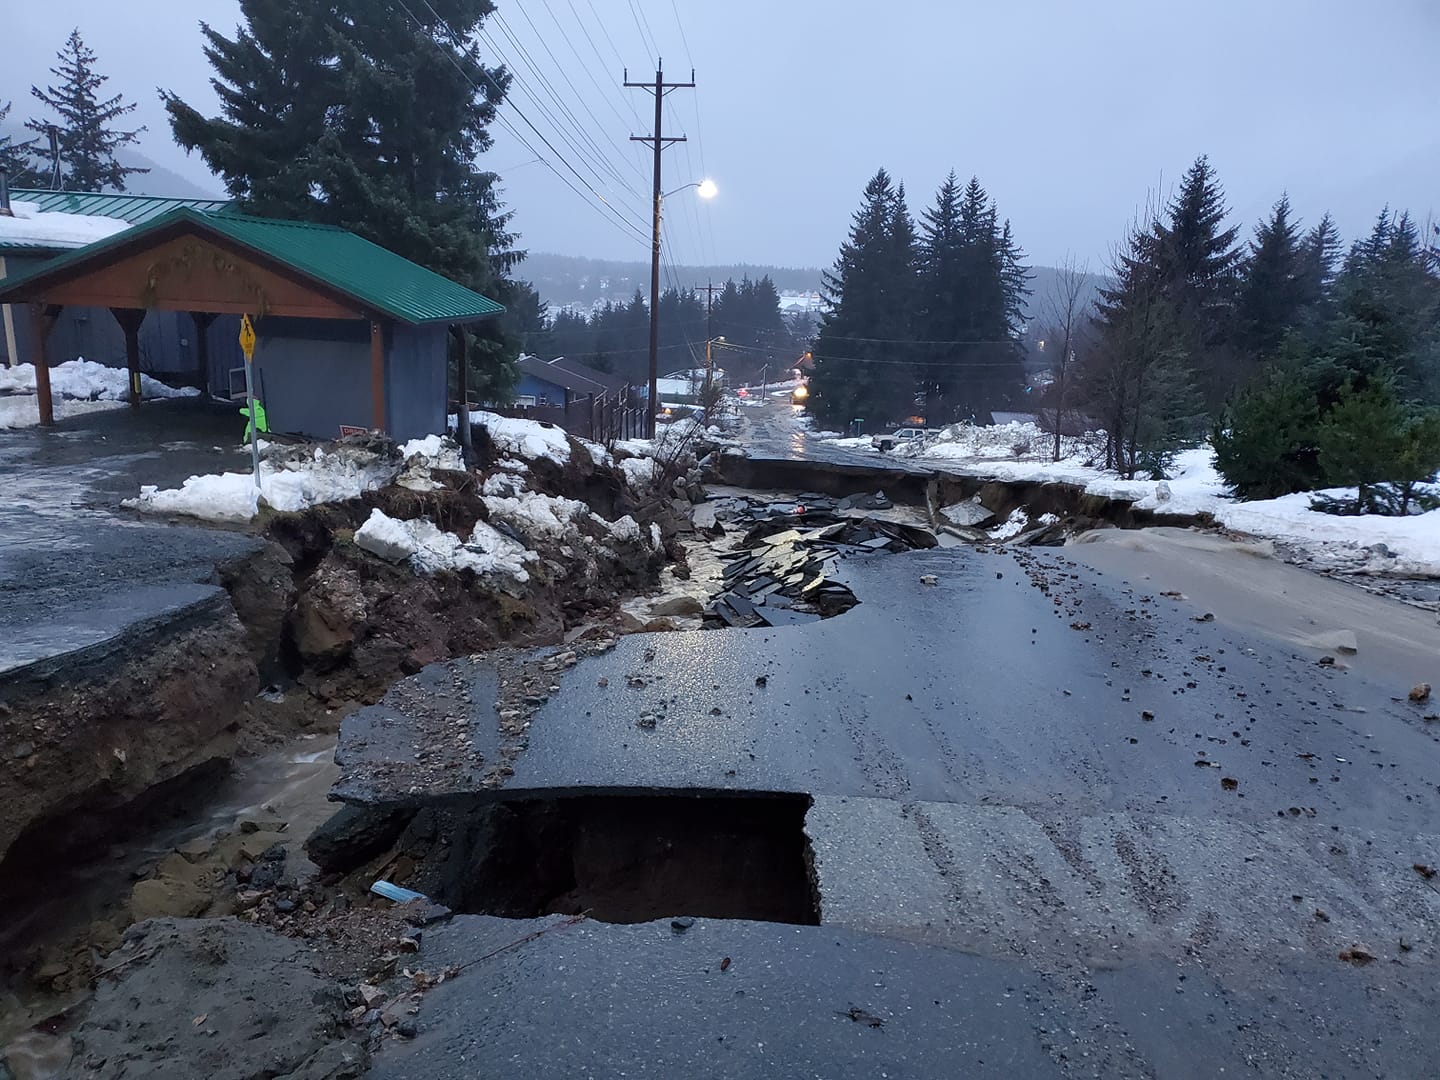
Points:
x=572, y=280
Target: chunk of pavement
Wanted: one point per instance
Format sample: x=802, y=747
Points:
x=677, y=605
x=929, y=579
x=968, y=514
x=424, y=912
x=1420, y=694
x=354, y=834
x=216, y=998
x=1340, y=641
x=702, y=516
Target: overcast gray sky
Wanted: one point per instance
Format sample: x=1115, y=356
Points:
x=1069, y=112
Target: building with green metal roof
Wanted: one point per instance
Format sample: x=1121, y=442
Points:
x=350, y=334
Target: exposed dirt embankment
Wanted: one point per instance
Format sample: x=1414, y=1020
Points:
x=1062, y=500
x=111, y=726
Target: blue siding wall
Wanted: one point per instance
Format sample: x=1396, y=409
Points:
x=533, y=386
x=313, y=375
x=415, y=381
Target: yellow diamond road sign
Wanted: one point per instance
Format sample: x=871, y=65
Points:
x=247, y=337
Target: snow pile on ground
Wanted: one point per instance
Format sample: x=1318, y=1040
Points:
x=296, y=484
x=528, y=439
x=430, y=549
x=535, y=514
x=86, y=380
x=23, y=411
x=29, y=226
x=421, y=456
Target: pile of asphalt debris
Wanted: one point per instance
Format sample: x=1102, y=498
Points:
x=778, y=574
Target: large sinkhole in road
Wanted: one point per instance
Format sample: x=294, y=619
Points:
x=634, y=858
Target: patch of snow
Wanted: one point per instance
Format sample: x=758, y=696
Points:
x=626, y=528
x=23, y=410
x=529, y=439
x=431, y=549
x=86, y=380
x=598, y=454
x=640, y=472
x=535, y=514
x=1012, y=526
x=45, y=228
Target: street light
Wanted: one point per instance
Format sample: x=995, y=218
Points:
x=706, y=189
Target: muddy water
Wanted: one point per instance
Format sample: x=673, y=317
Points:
x=290, y=784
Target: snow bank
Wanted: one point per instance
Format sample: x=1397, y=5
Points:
x=529, y=439
x=293, y=485
x=86, y=380
x=430, y=549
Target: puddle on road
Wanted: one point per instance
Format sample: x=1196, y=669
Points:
x=634, y=858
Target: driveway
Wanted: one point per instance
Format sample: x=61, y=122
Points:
x=76, y=568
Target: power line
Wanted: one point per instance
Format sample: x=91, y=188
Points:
x=580, y=97
x=618, y=218
x=645, y=35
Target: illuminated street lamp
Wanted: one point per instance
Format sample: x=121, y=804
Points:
x=706, y=189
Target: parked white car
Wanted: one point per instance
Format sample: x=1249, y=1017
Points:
x=905, y=436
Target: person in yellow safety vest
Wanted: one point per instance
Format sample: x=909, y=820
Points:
x=259, y=423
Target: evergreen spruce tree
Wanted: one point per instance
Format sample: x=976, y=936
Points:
x=1274, y=283
x=87, y=140
x=1321, y=248
x=856, y=374
x=1198, y=258
x=1135, y=377
x=352, y=114
x=972, y=288
x=15, y=157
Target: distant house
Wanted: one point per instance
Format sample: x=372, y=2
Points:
x=561, y=383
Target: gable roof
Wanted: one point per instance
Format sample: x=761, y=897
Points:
x=373, y=278
x=557, y=376
x=603, y=378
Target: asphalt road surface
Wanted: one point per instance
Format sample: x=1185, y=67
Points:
x=1062, y=825
x=770, y=431
x=76, y=569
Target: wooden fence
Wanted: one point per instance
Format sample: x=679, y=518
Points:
x=587, y=418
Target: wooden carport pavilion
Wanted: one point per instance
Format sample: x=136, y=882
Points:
x=350, y=333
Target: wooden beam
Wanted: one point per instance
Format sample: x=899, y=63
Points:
x=202, y=321
x=43, y=318
x=377, y=373
x=130, y=320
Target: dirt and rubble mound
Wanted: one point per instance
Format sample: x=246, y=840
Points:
x=349, y=596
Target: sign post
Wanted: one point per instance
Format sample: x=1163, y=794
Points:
x=247, y=346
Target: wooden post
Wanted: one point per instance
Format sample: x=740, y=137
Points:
x=202, y=321
x=130, y=320
x=43, y=319
x=462, y=411
x=377, y=374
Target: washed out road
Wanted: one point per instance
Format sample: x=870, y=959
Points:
x=1062, y=824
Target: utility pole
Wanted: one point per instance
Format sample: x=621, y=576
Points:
x=659, y=141
x=709, y=288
